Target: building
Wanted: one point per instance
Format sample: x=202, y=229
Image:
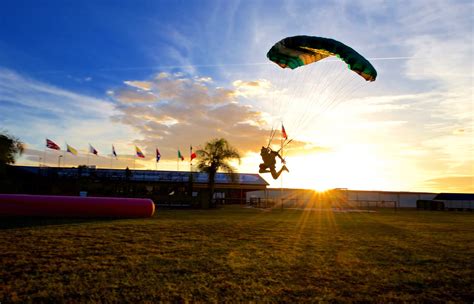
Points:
x=187, y=189
x=166, y=188
x=344, y=198
x=455, y=201
x=282, y=197
x=397, y=199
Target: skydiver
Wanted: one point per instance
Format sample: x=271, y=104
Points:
x=269, y=162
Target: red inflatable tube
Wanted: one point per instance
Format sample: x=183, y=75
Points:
x=74, y=206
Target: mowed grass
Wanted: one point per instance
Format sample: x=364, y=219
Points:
x=236, y=254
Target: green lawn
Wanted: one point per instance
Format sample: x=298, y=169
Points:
x=237, y=254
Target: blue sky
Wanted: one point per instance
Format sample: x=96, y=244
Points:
x=170, y=74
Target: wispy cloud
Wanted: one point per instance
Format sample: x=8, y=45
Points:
x=42, y=97
x=34, y=110
x=452, y=183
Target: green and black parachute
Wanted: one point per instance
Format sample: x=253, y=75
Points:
x=297, y=51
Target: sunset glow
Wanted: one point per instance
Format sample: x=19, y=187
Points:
x=175, y=76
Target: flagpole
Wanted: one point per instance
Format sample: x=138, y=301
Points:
x=114, y=154
x=281, y=176
x=44, y=157
x=177, y=162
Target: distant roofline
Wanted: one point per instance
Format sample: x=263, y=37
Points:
x=352, y=190
x=455, y=196
x=262, y=180
x=386, y=191
x=344, y=189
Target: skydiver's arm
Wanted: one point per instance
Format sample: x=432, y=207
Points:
x=281, y=158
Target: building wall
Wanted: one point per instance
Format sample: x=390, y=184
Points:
x=402, y=199
x=459, y=204
x=166, y=187
x=343, y=197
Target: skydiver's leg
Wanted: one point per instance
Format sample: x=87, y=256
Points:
x=275, y=174
x=263, y=169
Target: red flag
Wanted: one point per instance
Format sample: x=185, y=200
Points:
x=283, y=132
x=193, y=155
x=52, y=145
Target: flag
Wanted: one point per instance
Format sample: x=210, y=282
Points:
x=93, y=150
x=52, y=145
x=158, y=155
x=180, y=156
x=193, y=155
x=139, y=152
x=71, y=150
x=113, y=151
x=283, y=132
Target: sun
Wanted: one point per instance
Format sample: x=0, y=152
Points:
x=346, y=167
x=321, y=188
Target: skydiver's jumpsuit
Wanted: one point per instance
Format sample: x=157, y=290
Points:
x=269, y=162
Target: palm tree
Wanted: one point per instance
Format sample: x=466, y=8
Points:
x=10, y=147
x=214, y=157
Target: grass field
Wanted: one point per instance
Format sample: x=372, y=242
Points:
x=238, y=254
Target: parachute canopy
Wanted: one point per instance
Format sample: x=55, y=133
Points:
x=296, y=51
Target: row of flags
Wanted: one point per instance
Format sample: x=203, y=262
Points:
x=52, y=145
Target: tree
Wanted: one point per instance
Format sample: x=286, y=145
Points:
x=10, y=148
x=215, y=156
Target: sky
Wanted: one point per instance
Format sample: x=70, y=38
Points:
x=173, y=74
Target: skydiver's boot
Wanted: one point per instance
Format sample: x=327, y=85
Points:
x=275, y=174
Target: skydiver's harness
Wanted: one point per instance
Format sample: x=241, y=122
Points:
x=284, y=144
x=272, y=135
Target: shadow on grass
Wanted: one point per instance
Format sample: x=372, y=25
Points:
x=24, y=222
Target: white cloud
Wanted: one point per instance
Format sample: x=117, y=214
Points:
x=143, y=85
x=191, y=111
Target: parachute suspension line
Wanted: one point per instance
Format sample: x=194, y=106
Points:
x=299, y=81
x=272, y=134
x=324, y=87
x=336, y=96
x=330, y=94
x=285, y=98
x=275, y=100
x=312, y=97
x=342, y=96
x=316, y=93
x=324, y=96
x=299, y=98
x=316, y=96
